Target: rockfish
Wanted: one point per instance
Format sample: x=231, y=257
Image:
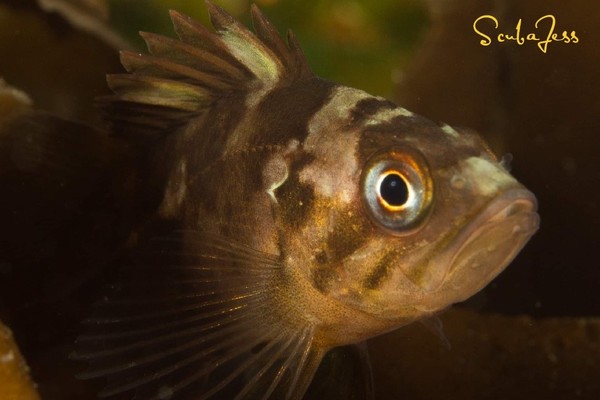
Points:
x=294, y=216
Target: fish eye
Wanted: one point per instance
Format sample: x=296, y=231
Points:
x=397, y=189
x=393, y=190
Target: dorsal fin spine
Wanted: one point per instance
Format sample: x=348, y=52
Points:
x=146, y=65
x=194, y=57
x=181, y=79
x=245, y=46
x=267, y=33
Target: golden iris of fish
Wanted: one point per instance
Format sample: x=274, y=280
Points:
x=304, y=215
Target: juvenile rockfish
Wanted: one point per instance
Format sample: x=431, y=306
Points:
x=301, y=215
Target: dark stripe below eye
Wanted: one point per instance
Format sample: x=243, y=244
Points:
x=379, y=274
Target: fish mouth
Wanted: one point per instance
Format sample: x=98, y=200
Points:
x=492, y=240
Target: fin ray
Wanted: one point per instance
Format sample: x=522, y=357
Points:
x=195, y=34
x=146, y=65
x=245, y=46
x=175, y=310
x=160, y=338
x=195, y=315
x=180, y=80
x=174, y=367
x=258, y=375
x=304, y=373
x=137, y=362
x=144, y=331
x=267, y=33
x=192, y=56
x=252, y=359
x=286, y=365
x=158, y=92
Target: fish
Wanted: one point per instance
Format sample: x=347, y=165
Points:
x=290, y=217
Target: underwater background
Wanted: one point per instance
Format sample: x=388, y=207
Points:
x=534, y=332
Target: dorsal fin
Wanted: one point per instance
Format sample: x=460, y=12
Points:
x=180, y=79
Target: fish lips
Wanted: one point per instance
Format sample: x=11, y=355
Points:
x=485, y=246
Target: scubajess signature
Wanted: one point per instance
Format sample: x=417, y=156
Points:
x=544, y=32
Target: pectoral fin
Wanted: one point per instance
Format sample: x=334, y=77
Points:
x=193, y=318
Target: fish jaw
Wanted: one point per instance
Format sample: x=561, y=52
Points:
x=483, y=248
x=478, y=247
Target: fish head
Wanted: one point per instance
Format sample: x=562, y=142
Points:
x=396, y=216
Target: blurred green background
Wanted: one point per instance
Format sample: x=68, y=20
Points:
x=360, y=43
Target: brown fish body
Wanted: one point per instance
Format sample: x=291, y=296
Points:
x=308, y=215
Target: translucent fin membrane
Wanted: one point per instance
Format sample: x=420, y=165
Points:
x=181, y=79
x=193, y=318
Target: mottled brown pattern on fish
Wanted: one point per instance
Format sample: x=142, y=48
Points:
x=229, y=173
x=368, y=107
x=349, y=234
x=380, y=272
x=395, y=131
x=323, y=275
x=208, y=134
x=416, y=130
x=283, y=114
x=321, y=257
x=274, y=123
x=295, y=198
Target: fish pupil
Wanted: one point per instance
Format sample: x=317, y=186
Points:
x=394, y=190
